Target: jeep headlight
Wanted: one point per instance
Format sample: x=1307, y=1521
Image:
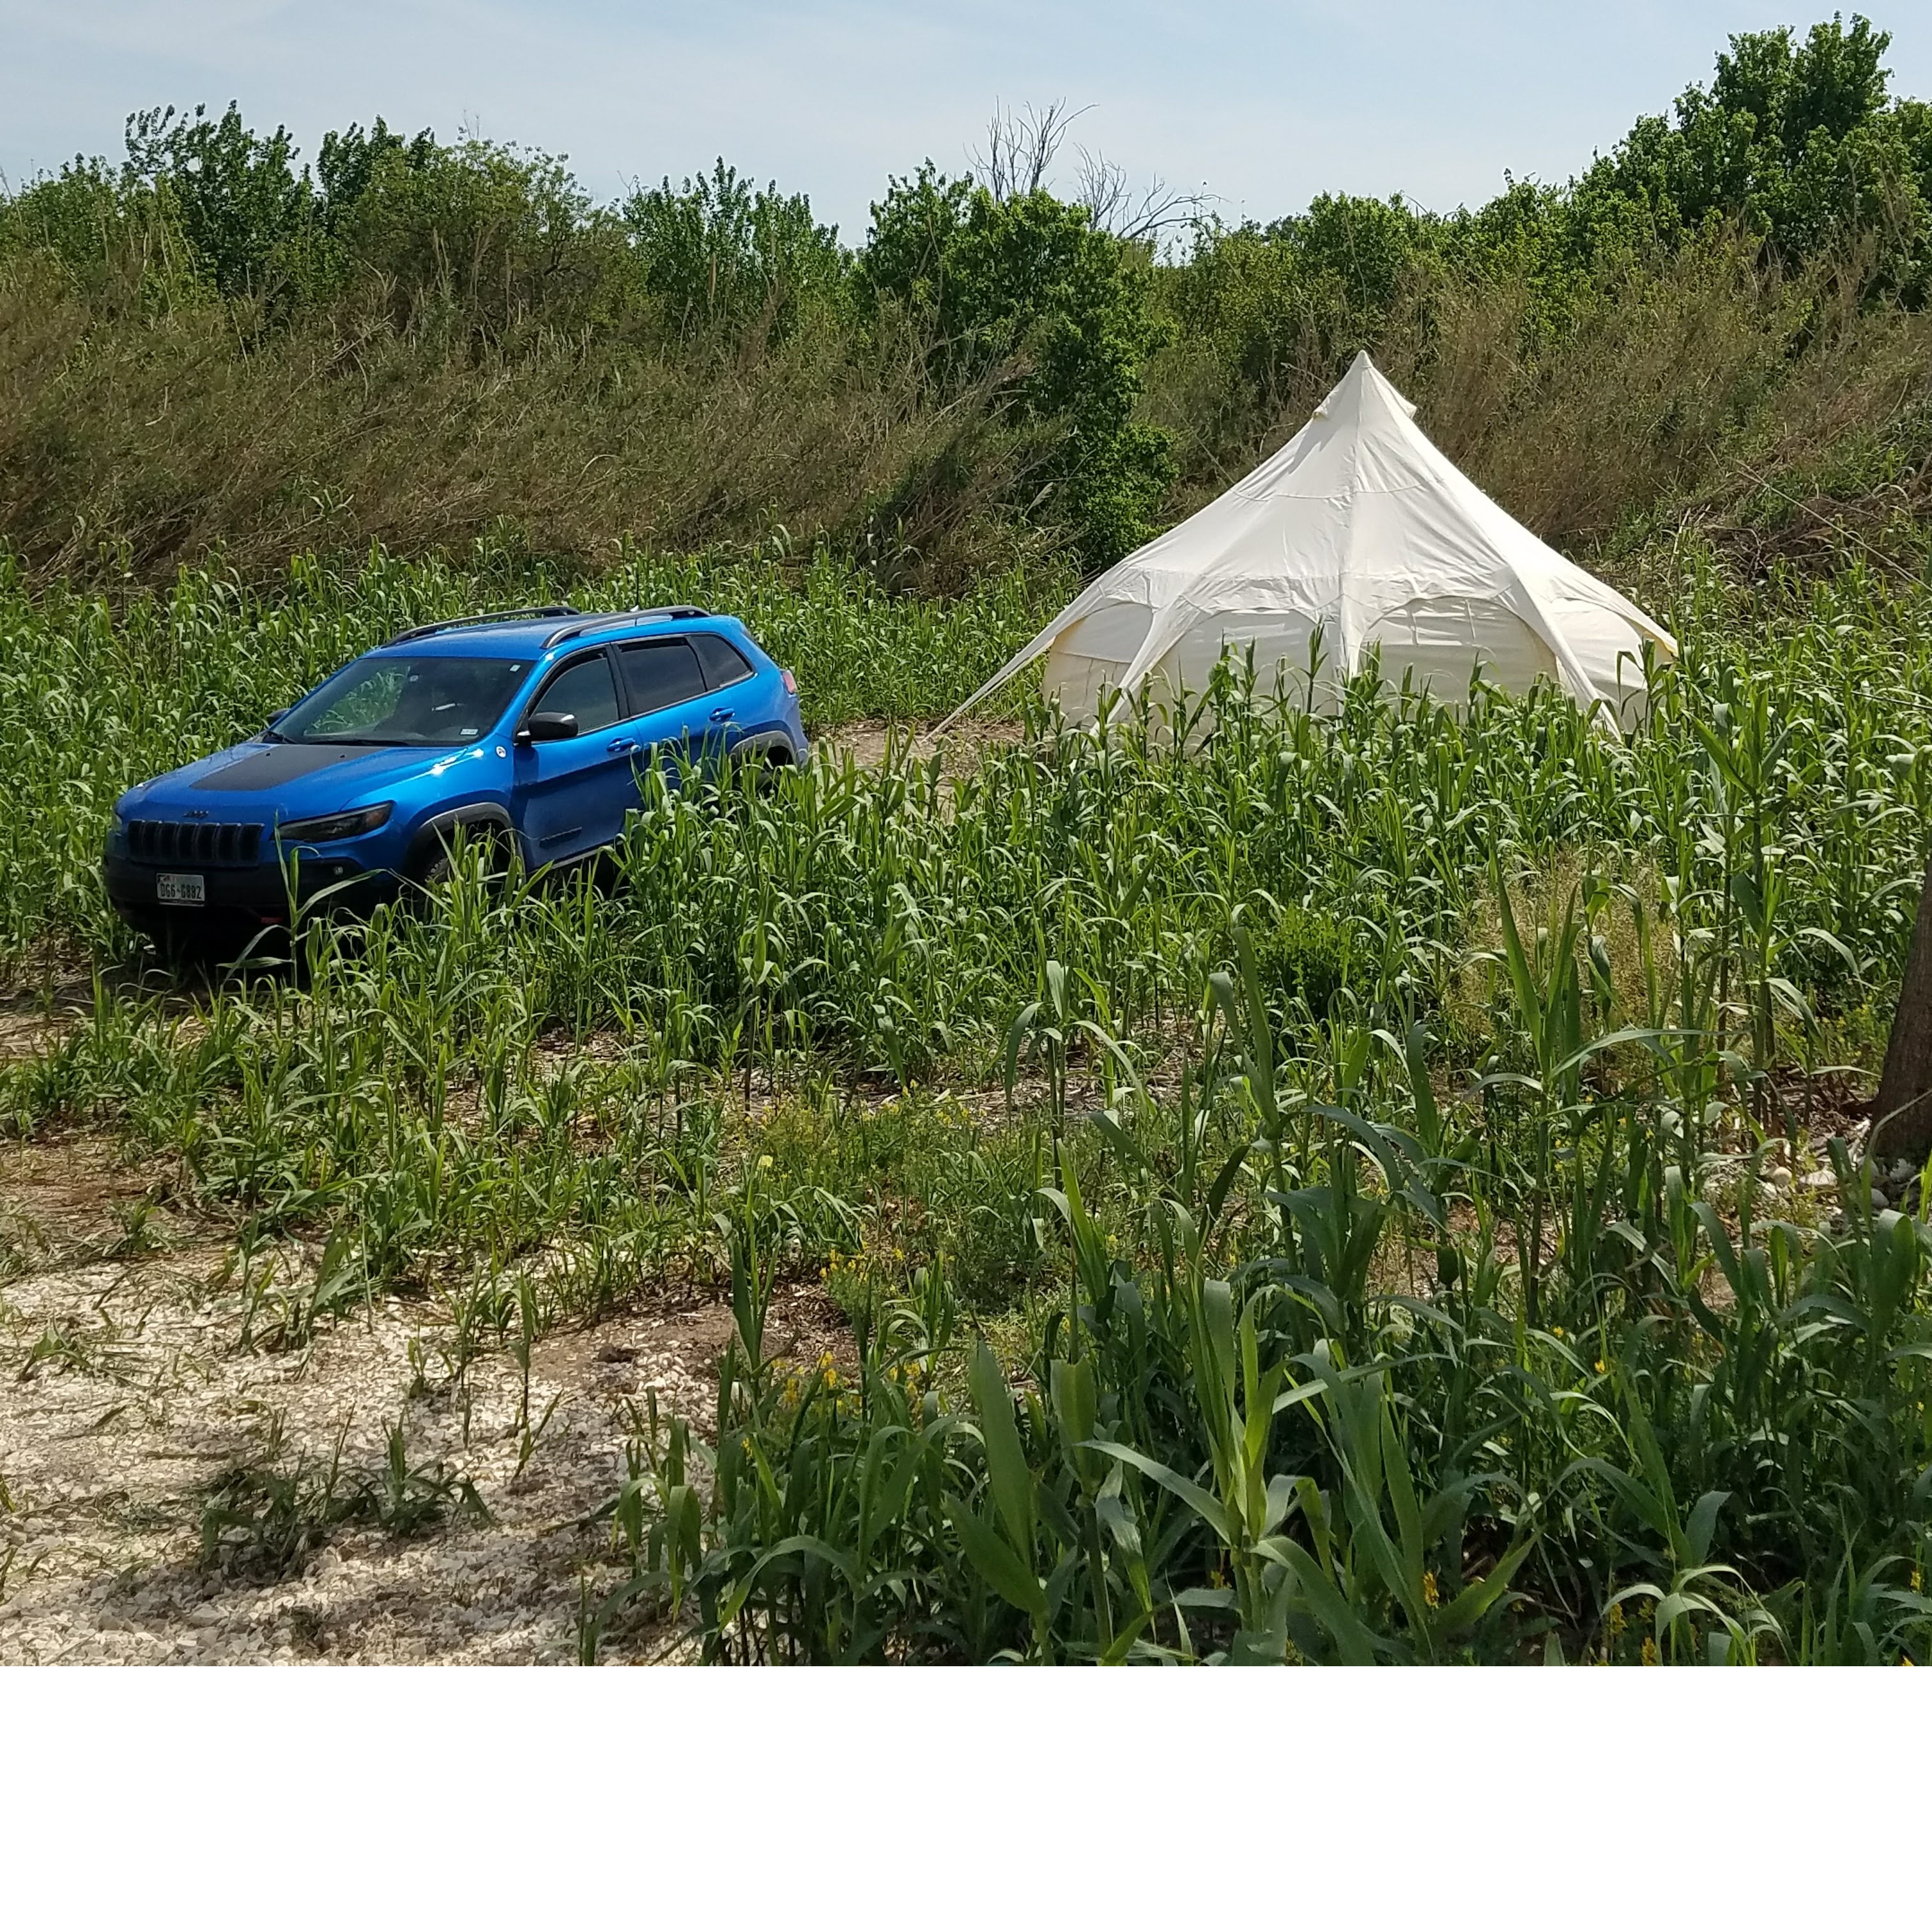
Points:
x=336, y=825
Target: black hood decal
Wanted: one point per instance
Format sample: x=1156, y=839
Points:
x=273, y=765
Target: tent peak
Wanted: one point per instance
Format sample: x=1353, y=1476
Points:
x=1361, y=377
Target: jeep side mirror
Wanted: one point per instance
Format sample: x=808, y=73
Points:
x=544, y=727
x=276, y=717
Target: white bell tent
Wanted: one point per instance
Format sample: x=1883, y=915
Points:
x=1360, y=528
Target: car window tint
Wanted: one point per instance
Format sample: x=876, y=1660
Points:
x=587, y=690
x=354, y=702
x=660, y=674
x=724, y=663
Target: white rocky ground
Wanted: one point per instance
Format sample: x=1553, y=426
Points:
x=141, y=1399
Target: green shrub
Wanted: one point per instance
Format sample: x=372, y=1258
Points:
x=1028, y=298
x=1303, y=959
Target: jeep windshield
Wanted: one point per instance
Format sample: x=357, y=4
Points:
x=403, y=700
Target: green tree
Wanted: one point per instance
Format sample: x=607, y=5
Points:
x=243, y=211
x=1795, y=140
x=1281, y=309
x=1025, y=294
x=721, y=257
x=351, y=163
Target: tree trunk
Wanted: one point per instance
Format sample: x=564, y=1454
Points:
x=1905, y=1091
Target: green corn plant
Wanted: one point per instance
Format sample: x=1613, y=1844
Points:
x=1001, y=1542
x=1243, y=1505
x=1867, y=1613
x=1680, y=1549
x=656, y=1523
x=1371, y=1582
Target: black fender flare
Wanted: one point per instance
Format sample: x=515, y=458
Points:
x=435, y=834
x=771, y=747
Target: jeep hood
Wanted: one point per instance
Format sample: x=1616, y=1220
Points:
x=266, y=782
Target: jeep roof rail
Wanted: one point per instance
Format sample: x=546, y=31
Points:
x=665, y=612
x=523, y=612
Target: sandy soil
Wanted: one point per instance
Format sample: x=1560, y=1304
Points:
x=965, y=745
x=141, y=1399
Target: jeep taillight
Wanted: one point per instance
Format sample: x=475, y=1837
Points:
x=790, y=682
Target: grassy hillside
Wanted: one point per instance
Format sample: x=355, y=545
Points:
x=215, y=345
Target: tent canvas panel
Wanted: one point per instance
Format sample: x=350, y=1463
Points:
x=1442, y=644
x=1113, y=633
x=1611, y=647
x=1279, y=641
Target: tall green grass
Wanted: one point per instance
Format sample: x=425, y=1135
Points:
x=1338, y=1194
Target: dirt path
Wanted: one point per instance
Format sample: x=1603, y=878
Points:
x=965, y=745
x=124, y=1399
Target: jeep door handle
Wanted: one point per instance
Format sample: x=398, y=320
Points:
x=624, y=745
x=722, y=716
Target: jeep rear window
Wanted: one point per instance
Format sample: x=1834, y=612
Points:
x=724, y=663
x=661, y=674
x=387, y=699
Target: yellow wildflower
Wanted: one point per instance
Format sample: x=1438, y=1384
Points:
x=1616, y=1620
x=1431, y=1594
x=1650, y=1650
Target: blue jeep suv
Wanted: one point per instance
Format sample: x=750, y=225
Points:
x=527, y=726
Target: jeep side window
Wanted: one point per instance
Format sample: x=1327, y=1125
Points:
x=587, y=690
x=723, y=663
x=660, y=673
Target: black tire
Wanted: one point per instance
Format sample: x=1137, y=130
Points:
x=430, y=864
x=767, y=765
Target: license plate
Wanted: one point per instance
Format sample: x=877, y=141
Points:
x=182, y=889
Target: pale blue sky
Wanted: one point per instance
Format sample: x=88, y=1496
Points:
x=1261, y=105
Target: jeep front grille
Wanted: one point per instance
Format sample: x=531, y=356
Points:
x=155, y=842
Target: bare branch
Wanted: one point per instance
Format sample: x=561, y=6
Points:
x=1104, y=190
x=1021, y=145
